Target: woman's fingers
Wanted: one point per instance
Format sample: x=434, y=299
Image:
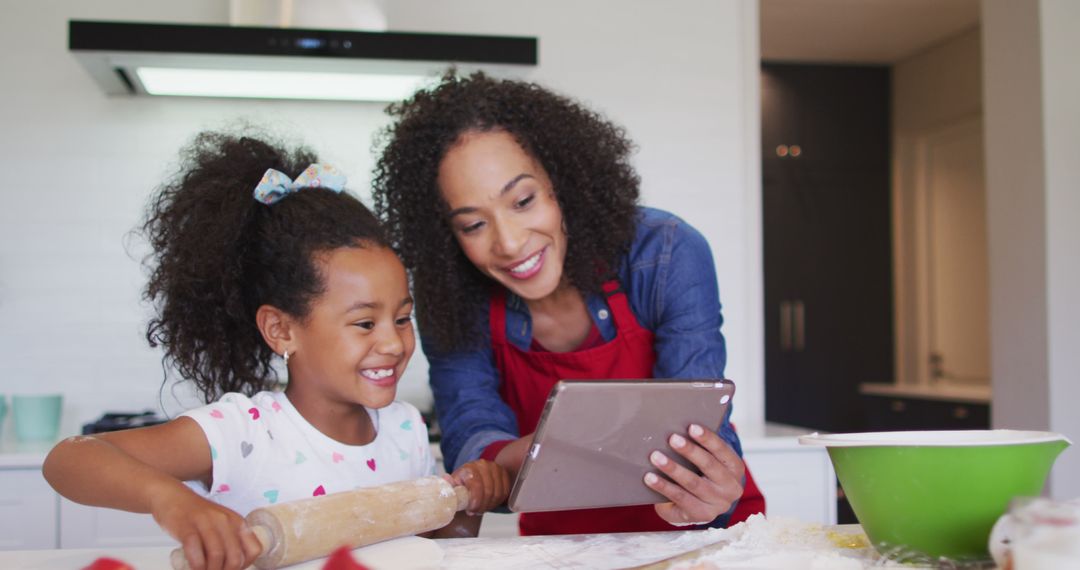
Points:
x=507, y=485
x=500, y=485
x=488, y=484
x=464, y=476
x=479, y=487
x=689, y=493
x=719, y=449
x=697, y=498
x=718, y=463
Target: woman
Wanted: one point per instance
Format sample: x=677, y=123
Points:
x=516, y=211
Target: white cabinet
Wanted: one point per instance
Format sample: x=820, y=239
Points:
x=797, y=482
x=34, y=517
x=28, y=510
x=91, y=527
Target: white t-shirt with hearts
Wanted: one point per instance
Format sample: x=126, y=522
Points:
x=264, y=452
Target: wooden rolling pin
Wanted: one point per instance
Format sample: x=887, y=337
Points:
x=301, y=530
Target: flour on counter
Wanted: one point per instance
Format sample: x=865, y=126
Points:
x=779, y=543
x=787, y=544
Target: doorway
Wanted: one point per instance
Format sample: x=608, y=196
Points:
x=941, y=240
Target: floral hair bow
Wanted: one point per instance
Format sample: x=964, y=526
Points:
x=275, y=184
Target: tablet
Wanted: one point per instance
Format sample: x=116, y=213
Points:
x=591, y=448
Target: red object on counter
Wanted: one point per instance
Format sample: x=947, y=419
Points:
x=342, y=559
x=105, y=563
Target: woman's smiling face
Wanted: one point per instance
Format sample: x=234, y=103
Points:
x=503, y=212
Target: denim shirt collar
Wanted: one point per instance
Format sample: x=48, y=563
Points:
x=519, y=320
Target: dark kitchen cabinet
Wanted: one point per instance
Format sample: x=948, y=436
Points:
x=892, y=413
x=827, y=241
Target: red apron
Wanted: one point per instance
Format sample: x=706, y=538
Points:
x=528, y=378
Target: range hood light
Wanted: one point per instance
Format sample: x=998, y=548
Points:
x=277, y=84
x=131, y=58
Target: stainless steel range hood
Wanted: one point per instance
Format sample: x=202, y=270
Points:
x=127, y=58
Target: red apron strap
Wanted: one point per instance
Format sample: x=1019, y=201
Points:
x=625, y=321
x=497, y=319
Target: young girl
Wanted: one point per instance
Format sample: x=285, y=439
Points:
x=259, y=253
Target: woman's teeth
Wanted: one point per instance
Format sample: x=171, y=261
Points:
x=377, y=374
x=527, y=264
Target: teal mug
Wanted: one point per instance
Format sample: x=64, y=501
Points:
x=3, y=412
x=37, y=417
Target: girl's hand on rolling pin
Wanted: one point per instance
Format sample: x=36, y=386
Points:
x=697, y=499
x=212, y=536
x=488, y=484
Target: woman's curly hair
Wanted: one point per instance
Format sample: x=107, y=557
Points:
x=586, y=157
x=219, y=255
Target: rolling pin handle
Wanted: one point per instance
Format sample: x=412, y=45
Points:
x=177, y=559
x=266, y=538
x=462, y=497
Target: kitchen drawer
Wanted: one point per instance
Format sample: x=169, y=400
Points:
x=92, y=527
x=892, y=413
x=33, y=516
x=28, y=510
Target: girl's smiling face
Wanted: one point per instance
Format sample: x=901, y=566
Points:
x=504, y=213
x=357, y=338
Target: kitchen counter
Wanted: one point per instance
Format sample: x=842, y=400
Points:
x=15, y=455
x=772, y=436
x=776, y=546
x=974, y=394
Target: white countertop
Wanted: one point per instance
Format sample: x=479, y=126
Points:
x=969, y=393
x=15, y=455
x=773, y=437
x=412, y=553
x=592, y=551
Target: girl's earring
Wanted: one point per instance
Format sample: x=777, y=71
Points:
x=285, y=355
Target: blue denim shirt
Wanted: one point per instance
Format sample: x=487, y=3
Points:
x=670, y=280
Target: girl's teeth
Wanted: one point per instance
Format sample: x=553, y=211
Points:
x=378, y=374
x=527, y=265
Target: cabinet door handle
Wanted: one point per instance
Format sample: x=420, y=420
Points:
x=799, y=325
x=785, y=326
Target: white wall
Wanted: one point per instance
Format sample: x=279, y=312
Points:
x=680, y=76
x=1031, y=87
x=1061, y=92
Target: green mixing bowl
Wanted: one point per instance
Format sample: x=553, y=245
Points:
x=938, y=493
